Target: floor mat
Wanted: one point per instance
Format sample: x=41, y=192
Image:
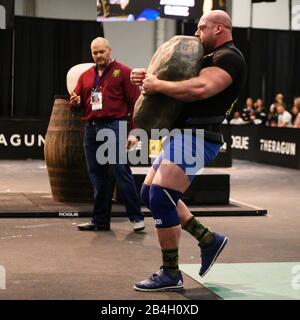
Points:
x=250, y=281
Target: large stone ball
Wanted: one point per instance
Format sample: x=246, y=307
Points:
x=177, y=59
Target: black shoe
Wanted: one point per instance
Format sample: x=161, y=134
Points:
x=89, y=226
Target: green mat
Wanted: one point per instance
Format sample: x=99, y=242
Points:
x=250, y=281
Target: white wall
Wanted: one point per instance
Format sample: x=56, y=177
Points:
x=19, y=10
x=295, y=14
x=272, y=15
x=133, y=43
x=66, y=9
x=241, y=13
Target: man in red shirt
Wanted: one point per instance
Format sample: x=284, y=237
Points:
x=107, y=97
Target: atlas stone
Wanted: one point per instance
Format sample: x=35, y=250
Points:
x=177, y=59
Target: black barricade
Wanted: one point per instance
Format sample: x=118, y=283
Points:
x=243, y=142
x=22, y=139
x=276, y=146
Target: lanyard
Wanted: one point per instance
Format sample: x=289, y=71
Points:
x=97, y=79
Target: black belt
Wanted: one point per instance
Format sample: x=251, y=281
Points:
x=204, y=121
x=210, y=125
x=211, y=135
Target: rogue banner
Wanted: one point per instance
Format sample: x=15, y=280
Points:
x=7, y=12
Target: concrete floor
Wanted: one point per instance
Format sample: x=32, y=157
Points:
x=50, y=259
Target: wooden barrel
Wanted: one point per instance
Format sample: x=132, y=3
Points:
x=64, y=155
x=177, y=59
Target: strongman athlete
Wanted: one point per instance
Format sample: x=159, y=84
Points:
x=209, y=97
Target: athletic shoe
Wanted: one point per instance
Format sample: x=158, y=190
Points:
x=161, y=281
x=138, y=225
x=210, y=252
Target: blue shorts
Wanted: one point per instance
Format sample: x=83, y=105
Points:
x=189, y=151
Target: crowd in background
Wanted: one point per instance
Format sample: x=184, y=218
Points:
x=277, y=115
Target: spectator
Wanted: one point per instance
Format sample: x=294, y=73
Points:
x=297, y=102
x=284, y=117
x=273, y=114
x=260, y=112
x=295, y=109
x=296, y=123
x=248, y=110
x=237, y=119
x=296, y=113
x=279, y=99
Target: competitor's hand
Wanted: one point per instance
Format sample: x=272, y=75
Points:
x=75, y=99
x=137, y=76
x=150, y=84
x=131, y=142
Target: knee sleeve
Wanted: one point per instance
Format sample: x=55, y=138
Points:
x=144, y=194
x=163, y=204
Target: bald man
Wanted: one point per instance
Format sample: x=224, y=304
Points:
x=208, y=98
x=106, y=96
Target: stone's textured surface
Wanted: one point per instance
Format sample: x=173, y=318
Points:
x=177, y=59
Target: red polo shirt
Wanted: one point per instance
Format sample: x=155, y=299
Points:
x=118, y=93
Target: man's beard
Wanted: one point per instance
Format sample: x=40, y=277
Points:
x=102, y=64
x=208, y=47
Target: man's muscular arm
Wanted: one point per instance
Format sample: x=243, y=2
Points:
x=210, y=82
